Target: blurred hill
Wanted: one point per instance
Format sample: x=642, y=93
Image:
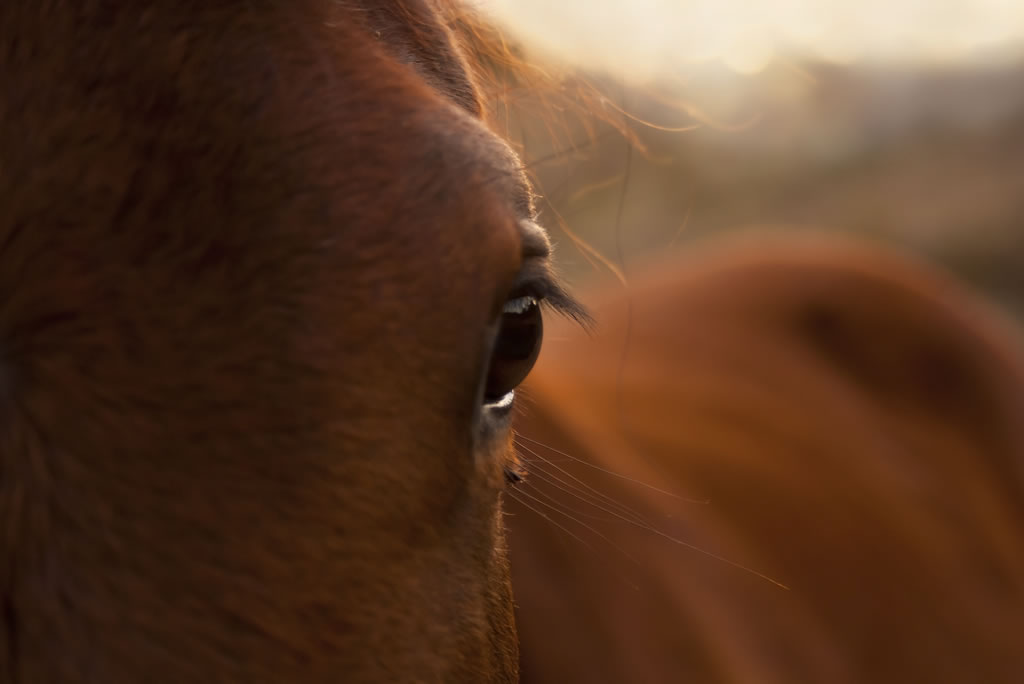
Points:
x=929, y=158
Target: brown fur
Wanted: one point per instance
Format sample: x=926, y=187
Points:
x=854, y=421
x=251, y=258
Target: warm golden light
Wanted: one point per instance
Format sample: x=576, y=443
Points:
x=642, y=39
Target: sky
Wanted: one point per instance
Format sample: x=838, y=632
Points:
x=640, y=40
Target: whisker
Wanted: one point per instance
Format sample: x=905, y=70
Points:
x=514, y=492
x=722, y=559
x=575, y=491
x=527, y=459
x=638, y=522
x=620, y=574
x=612, y=473
x=643, y=525
x=590, y=528
x=594, y=492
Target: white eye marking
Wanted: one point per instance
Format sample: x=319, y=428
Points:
x=503, y=402
x=519, y=305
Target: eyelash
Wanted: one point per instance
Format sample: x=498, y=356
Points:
x=553, y=297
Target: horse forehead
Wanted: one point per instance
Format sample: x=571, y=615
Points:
x=442, y=178
x=417, y=33
x=304, y=137
x=373, y=119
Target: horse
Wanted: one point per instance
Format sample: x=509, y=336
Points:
x=270, y=283
x=270, y=287
x=780, y=459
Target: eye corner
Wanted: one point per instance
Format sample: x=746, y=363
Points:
x=515, y=473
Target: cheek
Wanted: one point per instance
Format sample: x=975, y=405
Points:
x=500, y=609
x=494, y=456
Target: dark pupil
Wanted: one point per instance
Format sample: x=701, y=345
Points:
x=518, y=338
x=515, y=351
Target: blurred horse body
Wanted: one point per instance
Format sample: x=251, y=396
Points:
x=846, y=422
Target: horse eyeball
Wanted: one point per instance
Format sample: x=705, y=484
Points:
x=516, y=347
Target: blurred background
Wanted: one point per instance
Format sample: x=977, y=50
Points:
x=662, y=123
x=903, y=122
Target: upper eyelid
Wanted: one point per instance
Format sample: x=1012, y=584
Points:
x=537, y=278
x=536, y=242
x=537, y=273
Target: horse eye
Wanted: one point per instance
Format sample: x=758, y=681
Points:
x=516, y=347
